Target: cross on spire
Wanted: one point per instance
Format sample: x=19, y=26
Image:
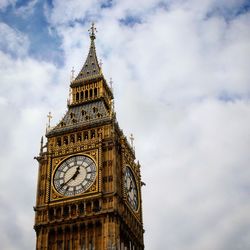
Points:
x=49, y=118
x=132, y=140
x=72, y=74
x=92, y=31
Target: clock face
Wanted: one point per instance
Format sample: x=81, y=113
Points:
x=75, y=175
x=131, y=188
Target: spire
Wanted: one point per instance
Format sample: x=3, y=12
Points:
x=91, y=68
x=92, y=31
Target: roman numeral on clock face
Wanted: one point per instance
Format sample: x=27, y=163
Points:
x=75, y=175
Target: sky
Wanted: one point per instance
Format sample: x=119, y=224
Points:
x=180, y=71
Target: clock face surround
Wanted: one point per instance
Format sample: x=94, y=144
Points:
x=75, y=175
x=131, y=188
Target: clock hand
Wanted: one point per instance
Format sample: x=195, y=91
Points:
x=77, y=172
x=63, y=184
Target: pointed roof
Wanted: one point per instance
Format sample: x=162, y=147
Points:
x=91, y=68
x=81, y=116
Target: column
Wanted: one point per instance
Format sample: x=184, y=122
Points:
x=46, y=234
x=69, y=211
x=71, y=238
x=78, y=240
x=92, y=206
x=94, y=235
x=84, y=207
x=56, y=238
x=77, y=210
x=63, y=237
x=86, y=236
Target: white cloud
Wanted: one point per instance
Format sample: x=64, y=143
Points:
x=197, y=177
x=5, y=3
x=26, y=10
x=181, y=86
x=13, y=41
x=25, y=94
x=65, y=12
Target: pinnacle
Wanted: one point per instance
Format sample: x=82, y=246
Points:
x=91, y=68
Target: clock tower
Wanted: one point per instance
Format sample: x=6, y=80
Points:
x=89, y=183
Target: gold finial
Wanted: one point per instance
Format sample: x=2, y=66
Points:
x=49, y=118
x=132, y=140
x=92, y=31
x=100, y=63
x=72, y=74
x=112, y=105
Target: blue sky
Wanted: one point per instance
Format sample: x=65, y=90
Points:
x=44, y=40
x=181, y=82
x=29, y=17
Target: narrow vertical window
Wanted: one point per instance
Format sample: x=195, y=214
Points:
x=72, y=138
x=92, y=134
x=65, y=140
x=79, y=137
x=86, y=135
x=58, y=141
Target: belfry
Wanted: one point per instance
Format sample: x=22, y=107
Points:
x=89, y=183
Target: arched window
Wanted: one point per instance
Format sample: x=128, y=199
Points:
x=95, y=91
x=65, y=140
x=86, y=135
x=72, y=138
x=58, y=141
x=86, y=94
x=91, y=93
x=81, y=208
x=88, y=207
x=73, y=210
x=96, y=206
x=81, y=95
x=58, y=213
x=79, y=137
x=92, y=134
x=77, y=96
x=66, y=211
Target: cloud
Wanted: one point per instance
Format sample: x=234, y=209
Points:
x=5, y=3
x=25, y=84
x=201, y=201
x=26, y=10
x=181, y=86
x=13, y=41
x=64, y=13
